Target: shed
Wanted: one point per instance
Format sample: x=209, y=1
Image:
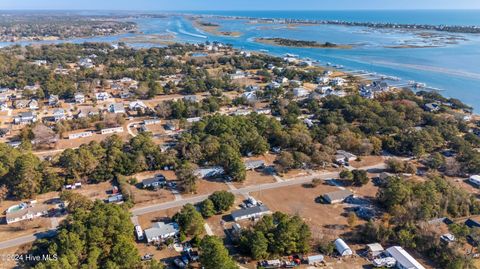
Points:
x=342, y=247
x=374, y=250
x=312, y=260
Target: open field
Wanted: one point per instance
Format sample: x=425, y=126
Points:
x=300, y=200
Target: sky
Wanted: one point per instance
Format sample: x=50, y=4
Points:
x=156, y=5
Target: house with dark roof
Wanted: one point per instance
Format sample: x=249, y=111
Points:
x=156, y=182
x=250, y=212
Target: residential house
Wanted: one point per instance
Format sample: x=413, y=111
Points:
x=115, y=130
x=27, y=213
x=254, y=164
x=85, y=112
x=190, y=98
x=151, y=121
x=403, y=258
x=300, y=92
x=80, y=135
x=4, y=132
x=343, y=157
x=86, y=63
x=209, y=172
x=250, y=96
x=338, y=81
x=59, y=114
x=155, y=182
x=432, y=107
x=20, y=104
x=116, y=108
x=137, y=105
x=114, y=199
x=3, y=106
x=53, y=100
x=33, y=104
x=337, y=196
x=323, y=80
x=194, y=119
x=102, y=96
x=238, y=75
x=250, y=212
x=79, y=98
x=25, y=118
x=161, y=231
x=471, y=223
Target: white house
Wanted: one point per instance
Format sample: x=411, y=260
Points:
x=80, y=135
x=161, y=231
x=338, y=81
x=102, y=96
x=116, y=108
x=137, y=105
x=300, y=92
x=79, y=98
x=112, y=130
x=59, y=114
x=27, y=213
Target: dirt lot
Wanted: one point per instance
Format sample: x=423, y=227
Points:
x=95, y=191
x=367, y=161
x=300, y=200
x=207, y=187
x=255, y=178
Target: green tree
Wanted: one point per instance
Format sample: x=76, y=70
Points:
x=360, y=177
x=186, y=175
x=222, y=200
x=190, y=221
x=214, y=255
x=259, y=243
x=207, y=208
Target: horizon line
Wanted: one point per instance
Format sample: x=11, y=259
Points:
x=241, y=10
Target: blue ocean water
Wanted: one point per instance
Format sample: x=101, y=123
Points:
x=450, y=63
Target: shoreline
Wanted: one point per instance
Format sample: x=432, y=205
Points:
x=397, y=26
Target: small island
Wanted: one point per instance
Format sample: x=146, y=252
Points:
x=214, y=28
x=300, y=43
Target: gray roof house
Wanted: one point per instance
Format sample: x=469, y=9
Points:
x=250, y=212
x=254, y=164
x=337, y=196
x=154, y=182
x=25, y=118
x=116, y=108
x=161, y=231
